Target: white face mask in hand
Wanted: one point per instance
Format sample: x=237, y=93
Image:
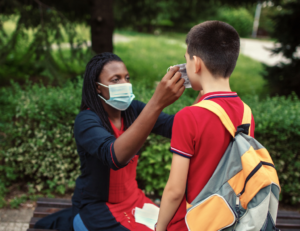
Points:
x=182, y=70
x=120, y=95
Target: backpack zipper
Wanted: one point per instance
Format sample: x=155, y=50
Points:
x=253, y=172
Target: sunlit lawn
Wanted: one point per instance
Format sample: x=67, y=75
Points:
x=147, y=58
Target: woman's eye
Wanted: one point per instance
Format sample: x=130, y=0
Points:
x=115, y=80
x=127, y=78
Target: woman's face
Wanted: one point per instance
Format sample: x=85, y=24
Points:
x=114, y=72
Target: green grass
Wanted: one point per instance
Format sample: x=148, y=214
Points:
x=147, y=58
x=246, y=78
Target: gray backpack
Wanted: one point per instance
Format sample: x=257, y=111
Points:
x=243, y=192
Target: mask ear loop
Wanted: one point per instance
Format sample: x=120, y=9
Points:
x=101, y=97
x=102, y=85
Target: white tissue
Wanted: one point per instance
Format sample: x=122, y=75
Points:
x=148, y=215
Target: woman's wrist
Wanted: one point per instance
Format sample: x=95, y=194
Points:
x=155, y=105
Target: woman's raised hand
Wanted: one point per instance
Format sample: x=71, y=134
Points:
x=169, y=89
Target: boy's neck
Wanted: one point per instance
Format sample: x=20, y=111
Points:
x=210, y=83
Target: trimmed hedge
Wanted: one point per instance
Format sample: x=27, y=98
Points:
x=278, y=129
x=37, y=143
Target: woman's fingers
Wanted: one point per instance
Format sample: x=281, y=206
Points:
x=176, y=77
x=169, y=89
x=179, y=84
x=173, y=85
x=180, y=91
x=171, y=73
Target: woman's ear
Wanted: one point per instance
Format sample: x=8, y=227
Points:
x=98, y=88
x=198, y=64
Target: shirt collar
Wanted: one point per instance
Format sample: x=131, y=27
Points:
x=218, y=94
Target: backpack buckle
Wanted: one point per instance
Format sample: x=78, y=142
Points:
x=244, y=128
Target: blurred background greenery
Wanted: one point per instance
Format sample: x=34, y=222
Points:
x=45, y=45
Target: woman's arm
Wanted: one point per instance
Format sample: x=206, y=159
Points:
x=168, y=90
x=164, y=123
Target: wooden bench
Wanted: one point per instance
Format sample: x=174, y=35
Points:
x=45, y=207
x=286, y=220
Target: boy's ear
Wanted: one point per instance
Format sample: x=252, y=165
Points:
x=198, y=63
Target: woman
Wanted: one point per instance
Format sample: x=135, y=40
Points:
x=109, y=131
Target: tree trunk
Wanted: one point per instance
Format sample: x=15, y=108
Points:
x=102, y=25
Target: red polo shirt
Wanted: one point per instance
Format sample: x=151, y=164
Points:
x=199, y=134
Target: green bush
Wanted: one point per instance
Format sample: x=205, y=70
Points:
x=37, y=137
x=239, y=18
x=154, y=164
x=37, y=143
x=278, y=129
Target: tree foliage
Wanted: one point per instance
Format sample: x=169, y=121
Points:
x=38, y=27
x=284, y=78
x=147, y=15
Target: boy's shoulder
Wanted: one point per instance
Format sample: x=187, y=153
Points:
x=230, y=102
x=191, y=117
x=192, y=112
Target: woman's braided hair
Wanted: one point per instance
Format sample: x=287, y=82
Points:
x=90, y=97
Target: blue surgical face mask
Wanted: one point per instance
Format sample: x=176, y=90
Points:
x=120, y=95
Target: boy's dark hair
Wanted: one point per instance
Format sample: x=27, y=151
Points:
x=217, y=44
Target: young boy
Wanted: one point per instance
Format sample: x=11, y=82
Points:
x=199, y=139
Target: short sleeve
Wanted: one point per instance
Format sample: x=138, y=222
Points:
x=91, y=136
x=183, y=134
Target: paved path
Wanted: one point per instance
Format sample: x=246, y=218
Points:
x=260, y=50
x=15, y=219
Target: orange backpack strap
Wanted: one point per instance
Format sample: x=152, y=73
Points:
x=247, y=117
x=220, y=112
